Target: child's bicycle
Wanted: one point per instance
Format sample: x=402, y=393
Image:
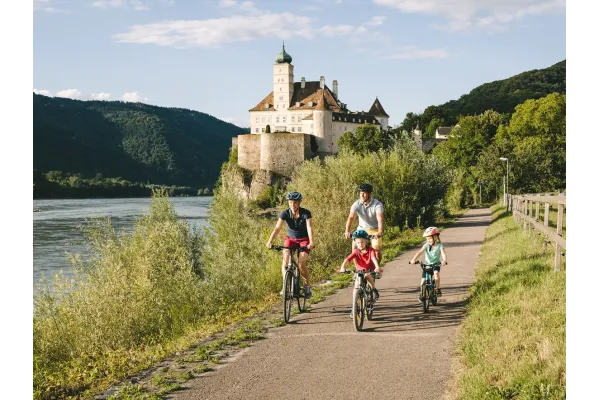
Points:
x=363, y=302
x=428, y=292
x=292, y=288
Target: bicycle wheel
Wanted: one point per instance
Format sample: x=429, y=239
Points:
x=358, y=309
x=433, y=295
x=288, y=296
x=425, y=293
x=369, y=305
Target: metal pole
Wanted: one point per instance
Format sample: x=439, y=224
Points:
x=507, y=184
x=504, y=189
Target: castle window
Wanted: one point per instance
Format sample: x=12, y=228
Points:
x=293, y=118
x=293, y=129
x=299, y=129
x=345, y=119
x=257, y=120
x=256, y=130
x=283, y=119
x=263, y=130
x=277, y=120
x=359, y=120
x=353, y=120
x=280, y=97
x=262, y=120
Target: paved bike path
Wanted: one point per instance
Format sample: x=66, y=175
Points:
x=402, y=353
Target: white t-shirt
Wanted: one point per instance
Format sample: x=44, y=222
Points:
x=367, y=215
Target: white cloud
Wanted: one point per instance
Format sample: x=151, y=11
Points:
x=214, y=32
x=376, y=20
x=69, y=93
x=413, y=53
x=100, y=96
x=466, y=14
x=42, y=92
x=134, y=97
x=138, y=5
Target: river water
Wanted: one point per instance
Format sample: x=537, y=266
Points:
x=56, y=228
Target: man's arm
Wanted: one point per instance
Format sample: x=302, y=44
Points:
x=351, y=217
x=379, y=224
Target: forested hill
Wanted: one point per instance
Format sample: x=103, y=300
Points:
x=501, y=96
x=133, y=141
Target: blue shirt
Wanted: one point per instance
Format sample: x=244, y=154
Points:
x=296, y=227
x=433, y=253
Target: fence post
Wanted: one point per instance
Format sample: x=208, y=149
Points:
x=559, y=224
x=546, y=213
x=537, y=209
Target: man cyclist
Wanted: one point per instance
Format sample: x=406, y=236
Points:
x=370, y=217
x=299, y=234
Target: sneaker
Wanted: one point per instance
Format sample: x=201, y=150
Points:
x=376, y=294
x=281, y=293
x=307, y=292
x=438, y=292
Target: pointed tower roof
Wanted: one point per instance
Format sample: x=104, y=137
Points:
x=283, y=57
x=377, y=109
x=322, y=104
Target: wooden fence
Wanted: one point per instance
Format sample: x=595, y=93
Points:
x=526, y=209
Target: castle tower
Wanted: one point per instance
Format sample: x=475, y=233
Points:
x=322, y=123
x=379, y=113
x=283, y=81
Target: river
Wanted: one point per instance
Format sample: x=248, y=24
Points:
x=56, y=228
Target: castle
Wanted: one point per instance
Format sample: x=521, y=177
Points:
x=297, y=121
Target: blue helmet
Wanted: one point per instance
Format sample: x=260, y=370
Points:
x=360, y=234
x=294, y=196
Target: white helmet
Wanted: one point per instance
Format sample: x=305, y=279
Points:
x=431, y=231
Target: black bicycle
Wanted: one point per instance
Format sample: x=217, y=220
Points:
x=363, y=302
x=292, y=288
x=428, y=292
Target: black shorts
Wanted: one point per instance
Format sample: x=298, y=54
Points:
x=436, y=268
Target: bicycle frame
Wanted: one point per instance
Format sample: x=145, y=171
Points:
x=292, y=288
x=362, y=298
x=428, y=292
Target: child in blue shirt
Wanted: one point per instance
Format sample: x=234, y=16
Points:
x=434, y=255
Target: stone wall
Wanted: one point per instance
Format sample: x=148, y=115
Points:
x=249, y=151
x=281, y=152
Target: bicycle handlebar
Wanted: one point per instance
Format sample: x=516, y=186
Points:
x=277, y=247
x=376, y=275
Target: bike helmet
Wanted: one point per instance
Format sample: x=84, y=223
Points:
x=360, y=234
x=432, y=230
x=293, y=196
x=365, y=187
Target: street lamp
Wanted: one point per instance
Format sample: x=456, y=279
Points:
x=506, y=183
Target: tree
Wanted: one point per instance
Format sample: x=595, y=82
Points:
x=366, y=138
x=432, y=127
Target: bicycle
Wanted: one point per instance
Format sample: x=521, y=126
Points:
x=292, y=289
x=363, y=302
x=428, y=289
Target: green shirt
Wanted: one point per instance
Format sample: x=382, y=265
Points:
x=433, y=253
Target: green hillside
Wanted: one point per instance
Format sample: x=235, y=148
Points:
x=501, y=96
x=133, y=141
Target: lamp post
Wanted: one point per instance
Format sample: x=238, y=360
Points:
x=505, y=183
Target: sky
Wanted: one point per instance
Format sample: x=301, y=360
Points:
x=217, y=56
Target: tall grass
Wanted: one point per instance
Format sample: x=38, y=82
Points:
x=513, y=341
x=137, y=289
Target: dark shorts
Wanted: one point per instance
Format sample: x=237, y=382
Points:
x=436, y=268
x=291, y=242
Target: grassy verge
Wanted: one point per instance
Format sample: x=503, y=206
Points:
x=512, y=344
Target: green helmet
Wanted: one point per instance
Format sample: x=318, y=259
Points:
x=360, y=234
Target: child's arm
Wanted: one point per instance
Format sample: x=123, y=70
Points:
x=343, y=267
x=444, y=257
x=421, y=250
x=376, y=262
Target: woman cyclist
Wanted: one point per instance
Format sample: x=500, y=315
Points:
x=299, y=234
x=365, y=258
x=434, y=250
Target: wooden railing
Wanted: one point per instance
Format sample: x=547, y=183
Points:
x=526, y=209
